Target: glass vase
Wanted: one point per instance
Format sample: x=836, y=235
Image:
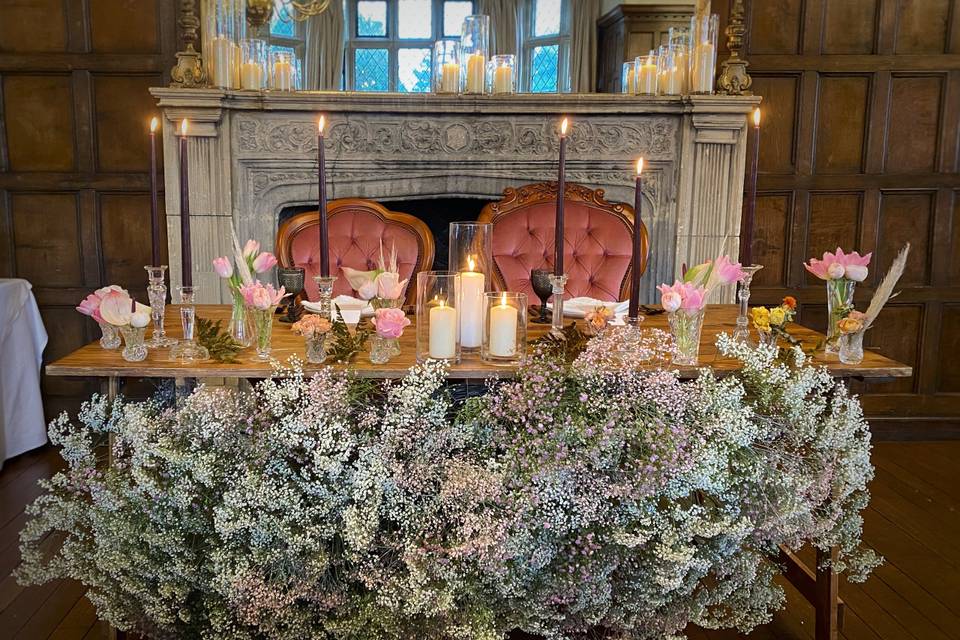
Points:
x=628, y=78
x=438, y=322
x=382, y=349
x=240, y=329
x=470, y=254
x=686, y=327
x=111, y=336
x=503, y=74
x=224, y=28
x=703, y=61
x=316, y=348
x=386, y=303
x=253, y=66
x=474, y=51
x=134, y=349
x=767, y=338
x=645, y=68
x=446, y=67
x=504, y=328
x=851, y=348
x=839, y=304
x=262, y=320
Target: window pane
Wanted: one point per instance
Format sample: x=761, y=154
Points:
x=413, y=74
x=276, y=48
x=281, y=24
x=371, y=70
x=546, y=17
x=372, y=18
x=453, y=14
x=415, y=19
x=543, y=69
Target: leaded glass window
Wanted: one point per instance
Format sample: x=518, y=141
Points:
x=545, y=66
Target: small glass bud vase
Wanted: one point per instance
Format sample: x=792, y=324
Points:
x=134, y=349
x=646, y=74
x=253, y=65
x=383, y=348
x=703, y=61
x=471, y=255
x=839, y=303
x=504, y=328
x=316, y=348
x=851, y=347
x=263, y=327
x=110, y=339
x=628, y=78
x=438, y=322
x=503, y=75
x=446, y=67
x=686, y=327
x=282, y=71
x=767, y=338
x=474, y=51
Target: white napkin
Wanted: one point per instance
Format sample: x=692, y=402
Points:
x=578, y=307
x=352, y=308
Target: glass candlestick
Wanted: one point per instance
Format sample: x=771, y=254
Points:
x=558, y=283
x=325, y=289
x=742, y=332
x=188, y=349
x=157, y=293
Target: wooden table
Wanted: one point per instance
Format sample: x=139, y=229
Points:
x=819, y=586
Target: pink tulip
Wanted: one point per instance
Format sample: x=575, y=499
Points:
x=671, y=301
x=90, y=306
x=367, y=290
x=855, y=272
x=260, y=296
x=390, y=323
x=389, y=285
x=251, y=248
x=725, y=271
x=682, y=295
x=115, y=308
x=835, y=271
x=223, y=267
x=694, y=298
x=264, y=262
x=834, y=266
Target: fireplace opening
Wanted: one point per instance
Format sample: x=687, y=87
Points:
x=438, y=213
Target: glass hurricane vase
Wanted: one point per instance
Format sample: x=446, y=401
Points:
x=851, y=348
x=839, y=304
x=686, y=327
x=262, y=320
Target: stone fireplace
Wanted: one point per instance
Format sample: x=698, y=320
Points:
x=253, y=155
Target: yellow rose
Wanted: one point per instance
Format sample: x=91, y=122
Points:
x=850, y=325
x=761, y=318
x=777, y=316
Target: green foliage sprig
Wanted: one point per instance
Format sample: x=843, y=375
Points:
x=345, y=345
x=221, y=345
x=568, y=345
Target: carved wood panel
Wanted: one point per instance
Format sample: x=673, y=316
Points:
x=863, y=144
x=74, y=183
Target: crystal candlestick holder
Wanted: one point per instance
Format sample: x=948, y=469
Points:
x=325, y=291
x=742, y=332
x=558, y=283
x=157, y=293
x=187, y=349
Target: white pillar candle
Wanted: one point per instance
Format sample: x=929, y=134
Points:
x=251, y=75
x=450, y=77
x=236, y=57
x=631, y=87
x=670, y=82
x=681, y=61
x=503, y=80
x=704, y=63
x=476, y=64
x=443, y=332
x=282, y=75
x=647, y=78
x=472, y=287
x=221, y=62
x=503, y=330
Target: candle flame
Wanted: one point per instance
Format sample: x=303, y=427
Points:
x=756, y=117
x=154, y=123
x=563, y=127
x=503, y=299
x=471, y=265
x=639, y=166
x=183, y=127
x=442, y=303
x=322, y=124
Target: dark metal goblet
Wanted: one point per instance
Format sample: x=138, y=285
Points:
x=292, y=279
x=540, y=279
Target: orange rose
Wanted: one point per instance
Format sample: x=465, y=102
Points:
x=790, y=301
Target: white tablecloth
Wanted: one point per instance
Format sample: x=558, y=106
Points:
x=22, y=340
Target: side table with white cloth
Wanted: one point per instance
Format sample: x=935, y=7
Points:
x=22, y=340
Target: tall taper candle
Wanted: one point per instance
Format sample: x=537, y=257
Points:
x=154, y=210
x=637, y=243
x=561, y=189
x=746, y=220
x=322, y=208
x=186, y=259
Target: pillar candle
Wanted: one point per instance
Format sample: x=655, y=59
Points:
x=503, y=80
x=670, y=82
x=235, y=59
x=704, y=63
x=251, y=75
x=476, y=68
x=631, y=87
x=186, y=258
x=681, y=61
x=472, y=288
x=637, y=243
x=503, y=330
x=154, y=204
x=647, y=78
x=450, y=77
x=282, y=75
x=443, y=332
x=221, y=62
x=561, y=189
x=322, y=204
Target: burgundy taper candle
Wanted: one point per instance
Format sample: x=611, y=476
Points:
x=322, y=206
x=746, y=220
x=561, y=189
x=154, y=208
x=186, y=259
x=637, y=243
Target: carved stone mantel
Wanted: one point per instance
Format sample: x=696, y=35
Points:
x=253, y=154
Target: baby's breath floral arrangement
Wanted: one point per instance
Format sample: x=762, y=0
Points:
x=577, y=498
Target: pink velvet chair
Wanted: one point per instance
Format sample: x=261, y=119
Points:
x=598, y=240
x=355, y=228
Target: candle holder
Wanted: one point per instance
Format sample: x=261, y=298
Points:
x=282, y=71
x=224, y=28
x=670, y=75
x=504, y=328
x=438, y=324
x=253, y=64
x=629, y=348
x=187, y=350
x=628, y=78
x=134, y=349
x=471, y=255
x=325, y=292
x=646, y=73
x=742, y=332
x=292, y=280
x=446, y=67
x=474, y=51
x=503, y=75
x=680, y=45
x=557, y=283
x=703, y=59
x=157, y=294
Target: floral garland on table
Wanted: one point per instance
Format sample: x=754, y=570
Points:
x=574, y=498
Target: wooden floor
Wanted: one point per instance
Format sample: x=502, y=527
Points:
x=913, y=520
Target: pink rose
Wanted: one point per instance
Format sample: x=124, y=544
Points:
x=264, y=262
x=389, y=285
x=251, y=248
x=390, y=323
x=671, y=301
x=223, y=267
x=90, y=306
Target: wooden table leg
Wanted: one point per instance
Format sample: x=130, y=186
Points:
x=827, y=597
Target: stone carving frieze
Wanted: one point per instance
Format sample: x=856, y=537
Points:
x=457, y=138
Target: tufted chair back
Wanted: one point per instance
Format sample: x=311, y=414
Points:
x=355, y=228
x=598, y=240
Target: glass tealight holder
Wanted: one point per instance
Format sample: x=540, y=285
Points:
x=471, y=255
x=438, y=324
x=474, y=51
x=669, y=76
x=628, y=78
x=446, y=67
x=703, y=60
x=503, y=74
x=282, y=71
x=646, y=74
x=504, y=327
x=253, y=64
x=188, y=349
x=134, y=349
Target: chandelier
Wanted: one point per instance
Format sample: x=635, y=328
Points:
x=259, y=12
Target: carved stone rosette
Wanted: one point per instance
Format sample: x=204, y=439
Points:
x=188, y=72
x=734, y=79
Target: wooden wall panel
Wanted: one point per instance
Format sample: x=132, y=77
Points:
x=834, y=220
x=38, y=118
x=896, y=335
x=849, y=26
x=775, y=26
x=46, y=239
x=123, y=108
x=771, y=238
x=949, y=364
x=33, y=26
x=905, y=217
x=124, y=26
x=923, y=26
x=914, y=123
x=125, y=236
x=778, y=151
x=841, y=123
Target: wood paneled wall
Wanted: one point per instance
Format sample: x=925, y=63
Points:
x=74, y=154
x=860, y=149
